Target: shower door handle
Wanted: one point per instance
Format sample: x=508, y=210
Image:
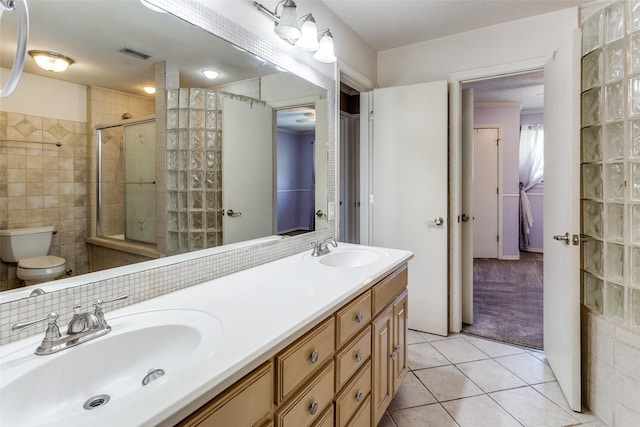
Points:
x=232, y=214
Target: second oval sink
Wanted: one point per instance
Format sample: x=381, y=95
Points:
x=351, y=257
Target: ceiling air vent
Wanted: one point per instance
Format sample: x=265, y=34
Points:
x=135, y=53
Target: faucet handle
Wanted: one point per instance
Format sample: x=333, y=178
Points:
x=52, y=332
x=52, y=318
x=98, y=303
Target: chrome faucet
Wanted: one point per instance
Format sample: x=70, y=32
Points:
x=82, y=327
x=321, y=247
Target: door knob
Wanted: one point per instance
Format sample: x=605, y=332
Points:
x=320, y=214
x=232, y=214
x=464, y=217
x=562, y=238
x=436, y=221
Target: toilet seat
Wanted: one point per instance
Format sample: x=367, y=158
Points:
x=46, y=261
x=40, y=268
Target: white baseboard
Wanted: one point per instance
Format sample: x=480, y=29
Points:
x=536, y=250
x=510, y=257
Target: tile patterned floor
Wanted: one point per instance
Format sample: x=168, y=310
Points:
x=465, y=381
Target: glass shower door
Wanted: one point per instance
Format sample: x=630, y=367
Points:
x=140, y=180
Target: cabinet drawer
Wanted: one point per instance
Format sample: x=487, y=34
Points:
x=244, y=404
x=301, y=359
x=352, y=357
x=307, y=406
x=326, y=419
x=388, y=289
x=353, y=395
x=351, y=318
x=362, y=418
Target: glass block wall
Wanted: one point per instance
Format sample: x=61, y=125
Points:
x=611, y=163
x=194, y=169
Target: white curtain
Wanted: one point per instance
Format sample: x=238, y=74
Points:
x=531, y=170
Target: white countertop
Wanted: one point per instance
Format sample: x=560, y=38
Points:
x=261, y=310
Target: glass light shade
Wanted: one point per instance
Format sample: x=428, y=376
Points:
x=325, y=49
x=210, y=74
x=309, y=38
x=50, y=61
x=287, y=28
x=149, y=89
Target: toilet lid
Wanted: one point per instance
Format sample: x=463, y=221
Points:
x=47, y=261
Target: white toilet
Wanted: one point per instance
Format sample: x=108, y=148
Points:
x=29, y=247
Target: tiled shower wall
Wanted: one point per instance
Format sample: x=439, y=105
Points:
x=42, y=184
x=611, y=212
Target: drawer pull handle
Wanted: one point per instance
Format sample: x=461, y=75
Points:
x=358, y=396
x=313, y=408
x=314, y=357
x=359, y=357
x=394, y=355
x=359, y=317
x=397, y=349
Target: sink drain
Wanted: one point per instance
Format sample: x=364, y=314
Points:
x=95, y=401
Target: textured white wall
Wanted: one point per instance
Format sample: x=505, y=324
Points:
x=514, y=41
x=42, y=96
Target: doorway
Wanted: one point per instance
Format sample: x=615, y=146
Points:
x=349, y=195
x=506, y=279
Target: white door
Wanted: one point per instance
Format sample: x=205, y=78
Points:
x=485, y=193
x=247, y=170
x=562, y=215
x=410, y=149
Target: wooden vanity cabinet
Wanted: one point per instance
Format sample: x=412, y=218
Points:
x=247, y=403
x=344, y=372
x=389, y=341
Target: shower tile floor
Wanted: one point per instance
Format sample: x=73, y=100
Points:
x=463, y=380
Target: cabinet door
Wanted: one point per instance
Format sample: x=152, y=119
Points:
x=243, y=404
x=399, y=360
x=382, y=375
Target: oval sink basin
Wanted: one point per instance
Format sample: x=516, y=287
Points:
x=346, y=256
x=76, y=385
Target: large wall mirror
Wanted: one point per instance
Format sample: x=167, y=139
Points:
x=241, y=157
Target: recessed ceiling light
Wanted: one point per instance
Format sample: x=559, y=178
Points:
x=210, y=74
x=149, y=89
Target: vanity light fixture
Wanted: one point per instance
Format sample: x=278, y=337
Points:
x=149, y=89
x=305, y=36
x=50, y=61
x=325, y=51
x=210, y=74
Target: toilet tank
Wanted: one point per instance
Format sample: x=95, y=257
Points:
x=22, y=243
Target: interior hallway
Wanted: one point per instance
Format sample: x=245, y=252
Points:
x=508, y=300
x=469, y=381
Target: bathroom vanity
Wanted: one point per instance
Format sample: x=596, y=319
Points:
x=295, y=342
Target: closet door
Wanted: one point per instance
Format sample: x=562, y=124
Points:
x=410, y=192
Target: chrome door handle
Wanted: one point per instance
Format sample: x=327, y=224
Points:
x=436, y=221
x=464, y=218
x=232, y=214
x=562, y=238
x=320, y=214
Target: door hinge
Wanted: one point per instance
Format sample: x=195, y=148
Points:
x=498, y=238
x=371, y=115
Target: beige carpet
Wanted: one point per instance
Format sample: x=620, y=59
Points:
x=507, y=300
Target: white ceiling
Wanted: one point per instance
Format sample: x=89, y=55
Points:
x=387, y=24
